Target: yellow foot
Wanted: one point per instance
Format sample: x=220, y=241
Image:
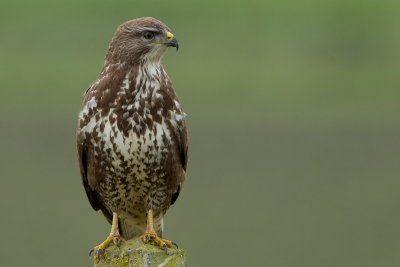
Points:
x=155, y=240
x=116, y=239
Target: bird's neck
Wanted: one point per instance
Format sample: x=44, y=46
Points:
x=132, y=81
x=151, y=69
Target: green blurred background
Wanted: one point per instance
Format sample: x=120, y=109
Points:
x=293, y=115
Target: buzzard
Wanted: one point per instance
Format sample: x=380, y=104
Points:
x=132, y=137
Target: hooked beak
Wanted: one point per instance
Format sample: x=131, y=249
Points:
x=171, y=41
x=174, y=43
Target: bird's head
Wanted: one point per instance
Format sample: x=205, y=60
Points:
x=138, y=40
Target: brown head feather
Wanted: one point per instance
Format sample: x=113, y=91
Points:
x=129, y=44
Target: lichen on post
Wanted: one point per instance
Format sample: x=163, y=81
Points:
x=134, y=253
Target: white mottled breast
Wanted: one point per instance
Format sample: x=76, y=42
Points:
x=132, y=148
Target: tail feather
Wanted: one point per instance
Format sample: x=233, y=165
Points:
x=133, y=228
x=130, y=229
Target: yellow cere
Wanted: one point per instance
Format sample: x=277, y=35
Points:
x=169, y=36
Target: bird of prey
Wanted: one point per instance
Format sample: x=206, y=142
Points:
x=131, y=137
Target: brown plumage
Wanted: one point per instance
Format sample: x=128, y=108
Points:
x=132, y=137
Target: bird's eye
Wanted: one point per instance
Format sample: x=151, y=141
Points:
x=148, y=35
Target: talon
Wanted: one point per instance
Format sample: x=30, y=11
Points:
x=175, y=244
x=91, y=252
x=114, y=237
x=99, y=251
x=164, y=244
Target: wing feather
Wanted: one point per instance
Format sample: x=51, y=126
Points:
x=85, y=168
x=182, y=138
x=183, y=145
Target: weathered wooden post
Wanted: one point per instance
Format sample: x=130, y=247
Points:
x=134, y=253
